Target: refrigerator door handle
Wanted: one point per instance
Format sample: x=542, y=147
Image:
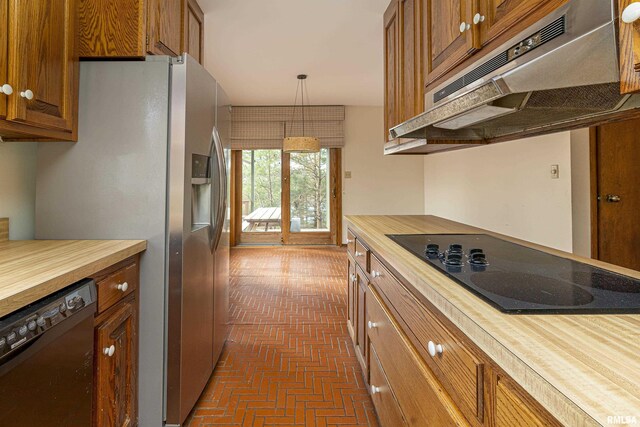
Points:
x=217, y=222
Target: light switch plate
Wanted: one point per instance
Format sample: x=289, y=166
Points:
x=555, y=172
x=347, y=174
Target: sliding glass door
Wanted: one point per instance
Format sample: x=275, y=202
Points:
x=287, y=198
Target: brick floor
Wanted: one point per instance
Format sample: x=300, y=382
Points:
x=289, y=360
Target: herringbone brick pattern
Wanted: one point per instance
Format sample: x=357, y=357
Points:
x=289, y=360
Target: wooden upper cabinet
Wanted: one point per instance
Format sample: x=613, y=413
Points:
x=164, y=27
x=42, y=65
x=497, y=16
x=391, y=65
x=451, y=34
x=629, y=52
x=194, y=31
x=4, y=36
x=411, y=83
x=135, y=28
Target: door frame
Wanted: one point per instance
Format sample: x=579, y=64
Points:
x=332, y=237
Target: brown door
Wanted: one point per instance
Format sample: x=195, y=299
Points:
x=43, y=64
x=451, y=34
x=616, y=234
x=115, y=354
x=164, y=27
x=391, y=62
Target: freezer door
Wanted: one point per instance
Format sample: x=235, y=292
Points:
x=190, y=293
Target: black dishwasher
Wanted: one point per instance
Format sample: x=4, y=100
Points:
x=46, y=360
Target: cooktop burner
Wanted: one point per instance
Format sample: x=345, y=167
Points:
x=517, y=279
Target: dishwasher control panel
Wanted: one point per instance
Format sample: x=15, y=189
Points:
x=25, y=326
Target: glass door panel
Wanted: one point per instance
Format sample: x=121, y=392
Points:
x=261, y=214
x=309, y=192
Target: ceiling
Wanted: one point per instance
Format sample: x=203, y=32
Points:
x=255, y=49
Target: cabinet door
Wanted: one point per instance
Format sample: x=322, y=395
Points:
x=116, y=385
x=410, y=70
x=391, y=63
x=451, y=35
x=43, y=63
x=361, y=322
x=194, y=31
x=4, y=20
x=352, y=282
x=497, y=16
x=629, y=52
x=164, y=27
x=516, y=408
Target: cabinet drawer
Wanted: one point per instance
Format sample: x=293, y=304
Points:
x=116, y=286
x=421, y=398
x=452, y=362
x=383, y=399
x=361, y=255
x=351, y=243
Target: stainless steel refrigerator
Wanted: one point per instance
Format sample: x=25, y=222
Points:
x=151, y=162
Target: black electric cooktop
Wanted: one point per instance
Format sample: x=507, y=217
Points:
x=517, y=279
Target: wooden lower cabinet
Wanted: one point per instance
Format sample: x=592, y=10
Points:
x=352, y=293
x=116, y=347
x=422, y=370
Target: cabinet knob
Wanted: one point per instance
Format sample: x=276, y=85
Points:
x=6, y=89
x=375, y=273
x=477, y=18
x=631, y=13
x=375, y=389
x=108, y=351
x=464, y=27
x=27, y=94
x=372, y=325
x=349, y=240
x=434, y=349
x=123, y=286
x=358, y=253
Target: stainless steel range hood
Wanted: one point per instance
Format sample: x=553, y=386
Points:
x=559, y=74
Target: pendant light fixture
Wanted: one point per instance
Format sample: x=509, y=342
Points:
x=300, y=144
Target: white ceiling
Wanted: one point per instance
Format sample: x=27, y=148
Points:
x=255, y=49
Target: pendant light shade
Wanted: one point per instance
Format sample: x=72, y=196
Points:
x=300, y=144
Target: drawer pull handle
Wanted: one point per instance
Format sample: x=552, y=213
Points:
x=375, y=389
x=375, y=273
x=359, y=253
x=123, y=286
x=372, y=325
x=434, y=349
x=108, y=351
x=353, y=277
x=6, y=89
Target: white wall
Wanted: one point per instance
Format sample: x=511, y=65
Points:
x=18, y=187
x=379, y=185
x=581, y=192
x=507, y=188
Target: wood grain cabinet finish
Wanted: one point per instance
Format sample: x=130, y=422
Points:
x=420, y=396
x=352, y=293
x=451, y=35
x=39, y=60
x=116, y=348
x=391, y=68
x=435, y=375
x=135, y=28
x=499, y=16
x=629, y=52
x=193, y=32
x=384, y=400
x=456, y=367
x=361, y=338
x=403, y=53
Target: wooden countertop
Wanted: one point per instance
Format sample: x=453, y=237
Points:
x=32, y=269
x=581, y=368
